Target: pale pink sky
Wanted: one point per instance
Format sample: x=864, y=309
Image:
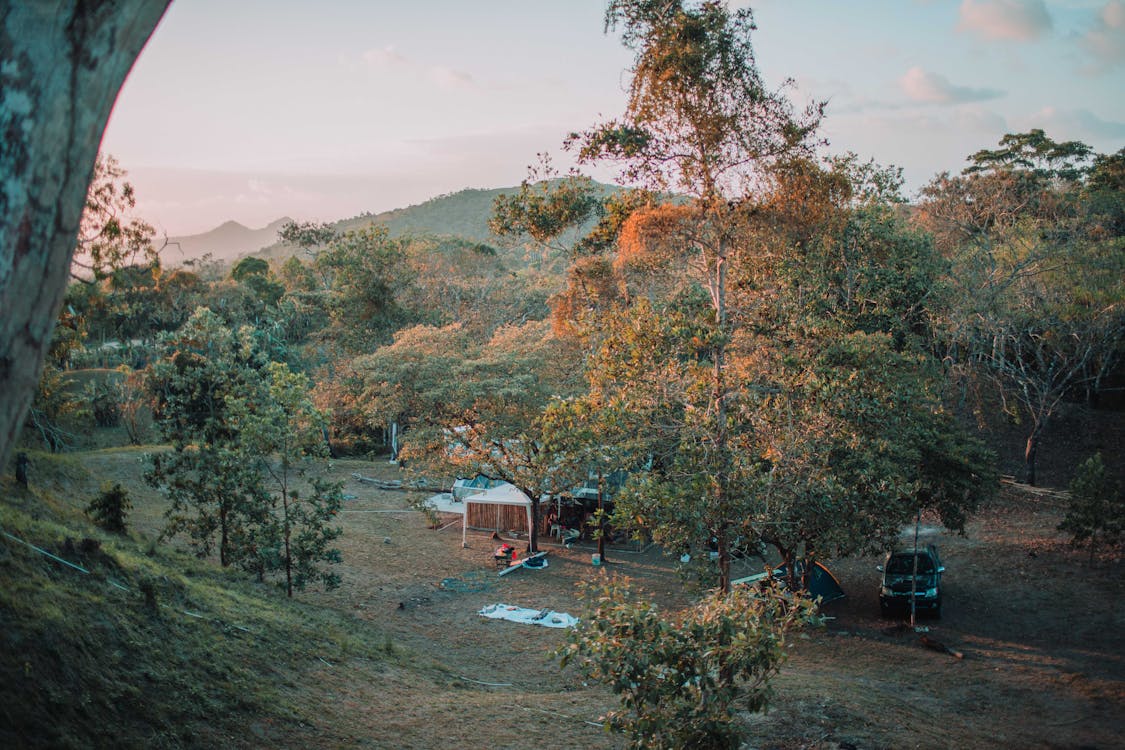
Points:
x=263, y=108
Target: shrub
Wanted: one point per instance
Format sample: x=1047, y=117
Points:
x=679, y=679
x=1097, y=507
x=108, y=509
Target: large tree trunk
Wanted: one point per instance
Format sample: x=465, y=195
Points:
x=62, y=63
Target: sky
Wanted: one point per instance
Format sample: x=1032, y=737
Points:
x=257, y=109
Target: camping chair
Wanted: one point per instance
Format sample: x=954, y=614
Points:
x=569, y=536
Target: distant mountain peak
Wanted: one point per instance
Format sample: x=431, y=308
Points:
x=226, y=242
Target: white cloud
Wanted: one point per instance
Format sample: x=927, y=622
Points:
x=449, y=78
x=923, y=86
x=1019, y=20
x=1077, y=124
x=386, y=58
x=383, y=58
x=1105, y=41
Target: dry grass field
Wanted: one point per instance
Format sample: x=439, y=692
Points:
x=1040, y=632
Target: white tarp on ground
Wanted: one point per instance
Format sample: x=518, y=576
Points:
x=443, y=502
x=545, y=617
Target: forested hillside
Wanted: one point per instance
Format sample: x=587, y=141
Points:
x=464, y=215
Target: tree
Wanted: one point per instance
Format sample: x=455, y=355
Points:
x=358, y=276
x=1096, y=513
x=680, y=679
x=698, y=121
x=1034, y=152
x=279, y=431
x=1034, y=288
x=63, y=63
x=470, y=408
x=255, y=273
x=856, y=443
x=548, y=209
x=213, y=490
x=109, y=237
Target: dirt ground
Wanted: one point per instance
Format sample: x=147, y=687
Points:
x=1040, y=632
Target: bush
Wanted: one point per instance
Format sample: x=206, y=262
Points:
x=106, y=405
x=108, y=509
x=1097, y=507
x=679, y=679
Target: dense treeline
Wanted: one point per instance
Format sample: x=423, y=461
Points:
x=1009, y=272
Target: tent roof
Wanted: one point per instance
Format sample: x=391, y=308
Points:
x=504, y=494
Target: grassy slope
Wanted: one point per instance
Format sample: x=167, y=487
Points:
x=215, y=661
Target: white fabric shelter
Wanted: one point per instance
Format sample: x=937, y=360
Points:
x=504, y=494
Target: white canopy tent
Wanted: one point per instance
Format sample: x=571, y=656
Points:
x=504, y=494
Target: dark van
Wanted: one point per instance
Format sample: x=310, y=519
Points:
x=899, y=580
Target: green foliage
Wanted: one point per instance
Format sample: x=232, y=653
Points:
x=1032, y=294
x=110, y=507
x=873, y=274
x=363, y=271
x=699, y=118
x=309, y=236
x=279, y=431
x=255, y=274
x=1035, y=152
x=469, y=407
x=1096, y=514
x=857, y=442
x=233, y=419
x=249, y=266
x=108, y=236
x=104, y=400
x=212, y=489
x=545, y=209
x=55, y=410
x=680, y=680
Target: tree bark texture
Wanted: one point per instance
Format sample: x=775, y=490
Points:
x=62, y=63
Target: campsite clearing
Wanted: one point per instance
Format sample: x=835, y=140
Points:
x=1043, y=666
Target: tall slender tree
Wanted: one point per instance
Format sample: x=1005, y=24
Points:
x=280, y=432
x=699, y=121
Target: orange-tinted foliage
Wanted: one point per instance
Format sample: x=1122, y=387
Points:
x=653, y=236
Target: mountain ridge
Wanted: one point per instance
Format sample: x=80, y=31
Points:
x=463, y=213
x=227, y=242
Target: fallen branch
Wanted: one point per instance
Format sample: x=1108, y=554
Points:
x=940, y=647
x=454, y=521
x=417, y=485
